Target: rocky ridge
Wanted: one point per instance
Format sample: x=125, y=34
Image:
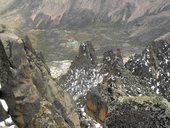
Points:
x=125, y=87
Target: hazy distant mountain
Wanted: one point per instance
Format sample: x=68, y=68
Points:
x=142, y=20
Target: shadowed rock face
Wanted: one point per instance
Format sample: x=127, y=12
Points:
x=29, y=89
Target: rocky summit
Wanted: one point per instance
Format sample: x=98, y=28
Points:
x=83, y=73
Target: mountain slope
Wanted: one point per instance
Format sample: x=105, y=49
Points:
x=109, y=22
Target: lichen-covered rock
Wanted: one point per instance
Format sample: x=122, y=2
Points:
x=95, y=107
x=26, y=80
x=139, y=112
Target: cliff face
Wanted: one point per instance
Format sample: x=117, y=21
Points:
x=33, y=97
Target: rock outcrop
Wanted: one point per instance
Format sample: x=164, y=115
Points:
x=153, y=66
x=118, y=81
x=33, y=97
x=83, y=73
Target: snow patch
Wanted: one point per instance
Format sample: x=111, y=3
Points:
x=5, y=106
x=59, y=68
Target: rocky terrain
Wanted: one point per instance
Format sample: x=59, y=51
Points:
x=65, y=64
x=140, y=87
x=91, y=94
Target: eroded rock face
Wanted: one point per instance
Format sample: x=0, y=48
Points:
x=153, y=66
x=28, y=87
